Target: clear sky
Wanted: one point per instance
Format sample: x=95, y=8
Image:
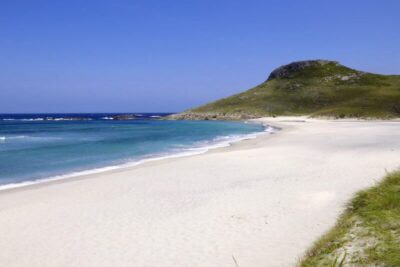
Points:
x=159, y=55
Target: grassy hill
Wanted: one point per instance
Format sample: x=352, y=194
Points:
x=314, y=87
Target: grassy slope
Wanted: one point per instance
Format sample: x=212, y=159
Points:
x=367, y=234
x=319, y=91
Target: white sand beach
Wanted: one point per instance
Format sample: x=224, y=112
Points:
x=262, y=201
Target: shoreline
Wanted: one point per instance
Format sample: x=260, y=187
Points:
x=192, y=151
x=257, y=200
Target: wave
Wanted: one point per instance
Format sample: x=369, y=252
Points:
x=27, y=137
x=30, y=119
x=13, y=137
x=77, y=118
x=228, y=140
x=195, y=149
x=48, y=119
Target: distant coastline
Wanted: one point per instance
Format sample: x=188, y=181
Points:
x=82, y=116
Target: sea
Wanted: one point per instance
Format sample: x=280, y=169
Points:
x=42, y=147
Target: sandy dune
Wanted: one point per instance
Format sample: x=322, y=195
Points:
x=263, y=201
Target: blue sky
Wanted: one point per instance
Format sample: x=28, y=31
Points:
x=122, y=56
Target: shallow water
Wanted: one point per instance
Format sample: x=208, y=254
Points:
x=40, y=146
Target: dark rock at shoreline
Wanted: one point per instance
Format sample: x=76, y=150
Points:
x=211, y=116
x=123, y=117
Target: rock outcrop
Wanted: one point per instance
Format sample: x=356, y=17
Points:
x=211, y=116
x=286, y=71
x=123, y=117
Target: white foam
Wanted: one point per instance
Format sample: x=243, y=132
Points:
x=4, y=138
x=27, y=138
x=35, y=119
x=68, y=119
x=13, y=137
x=202, y=147
x=18, y=137
x=50, y=119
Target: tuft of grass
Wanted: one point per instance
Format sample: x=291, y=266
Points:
x=318, y=90
x=366, y=234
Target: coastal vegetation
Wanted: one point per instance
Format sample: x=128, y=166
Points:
x=367, y=233
x=316, y=88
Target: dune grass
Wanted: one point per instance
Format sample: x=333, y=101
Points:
x=367, y=233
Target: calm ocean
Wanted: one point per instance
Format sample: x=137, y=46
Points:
x=37, y=146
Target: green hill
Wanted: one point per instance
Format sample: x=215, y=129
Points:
x=314, y=87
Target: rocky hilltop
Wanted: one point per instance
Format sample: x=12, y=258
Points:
x=287, y=71
x=311, y=87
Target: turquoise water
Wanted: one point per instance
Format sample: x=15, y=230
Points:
x=33, y=147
